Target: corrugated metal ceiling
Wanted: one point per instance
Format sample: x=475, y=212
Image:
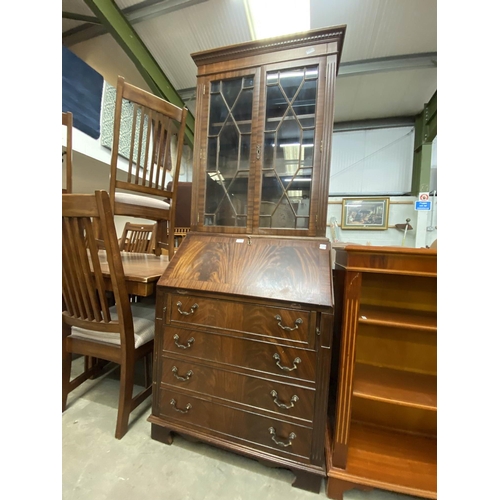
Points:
x=389, y=29
x=171, y=38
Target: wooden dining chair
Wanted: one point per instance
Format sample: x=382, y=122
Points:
x=149, y=131
x=182, y=224
x=67, y=121
x=138, y=238
x=122, y=333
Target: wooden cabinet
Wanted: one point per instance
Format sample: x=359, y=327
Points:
x=243, y=340
x=382, y=423
x=264, y=123
x=244, y=326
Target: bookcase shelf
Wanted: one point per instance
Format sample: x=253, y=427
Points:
x=417, y=320
x=410, y=389
x=385, y=459
x=382, y=429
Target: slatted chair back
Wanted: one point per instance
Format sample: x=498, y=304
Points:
x=83, y=285
x=138, y=238
x=149, y=132
x=122, y=333
x=67, y=121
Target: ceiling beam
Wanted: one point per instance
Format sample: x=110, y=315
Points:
x=375, y=123
x=426, y=121
x=134, y=14
x=118, y=26
x=425, y=133
x=384, y=64
x=364, y=67
x=80, y=17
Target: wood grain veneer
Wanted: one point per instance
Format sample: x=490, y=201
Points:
x=245, y=306
x=247, y=362
x=383, y=416
x=319, y=49
x=385, y=459
x=290, y=269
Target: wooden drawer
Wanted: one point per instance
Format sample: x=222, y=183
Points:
x=254, y=392
x=248, y=427
x=292, y=324
x=240, y=352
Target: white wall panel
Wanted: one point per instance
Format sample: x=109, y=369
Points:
x=372, y=162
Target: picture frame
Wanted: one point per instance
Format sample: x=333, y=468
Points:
x=365, y=213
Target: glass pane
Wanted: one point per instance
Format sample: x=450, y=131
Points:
x=231, y=90
x=245, y=152
x=242, y=111
x=228, y=152
x=305, y=103
x=276, y=108
x=229, y=140
x=302, y=211
x=218, y=114
x=272, y=78
x=288, y=148
x=209, y=220
x=238, y=196
x=284, y=216
x=272, y=190
x=269, y=149
x=306, y=173
x=290, y=81
x=277, y=215
x=212, y=154
x=215, y=193
x=312, y=73
x=247, y=82
x=288, y=151
x=232, y=209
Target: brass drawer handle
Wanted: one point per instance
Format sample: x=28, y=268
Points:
x=291, y=436
x=189, y=374
x=184, y=313
x=296, y=361
x=298, y=322
x=293, y=400
x=180, y=410
x=189, y=342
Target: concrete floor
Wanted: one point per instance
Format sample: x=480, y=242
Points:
x=98, y=466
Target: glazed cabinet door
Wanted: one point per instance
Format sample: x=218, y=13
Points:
x=227, y=151
x=260, y=153
x=289, y=148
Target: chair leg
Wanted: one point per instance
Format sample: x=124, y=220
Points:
x=148, y=362
x=171, y=238
x=96, y=366
x=66, y=367
x=161, y=235
x=125, y=401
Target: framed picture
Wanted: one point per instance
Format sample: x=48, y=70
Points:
x=365, y=213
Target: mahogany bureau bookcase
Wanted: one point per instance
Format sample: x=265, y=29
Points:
x=382, y=422
x=244, y=330
x=243, y=348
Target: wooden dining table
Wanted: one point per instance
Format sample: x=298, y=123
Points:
x=142, y=271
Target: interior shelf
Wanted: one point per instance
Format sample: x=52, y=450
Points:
x=395, y=386
x=384, y=430
x=390, y=460
x=417, y=320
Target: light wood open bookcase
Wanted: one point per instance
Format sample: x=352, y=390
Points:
x=382, y=426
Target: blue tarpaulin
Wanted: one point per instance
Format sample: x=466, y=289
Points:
x=81, y=93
